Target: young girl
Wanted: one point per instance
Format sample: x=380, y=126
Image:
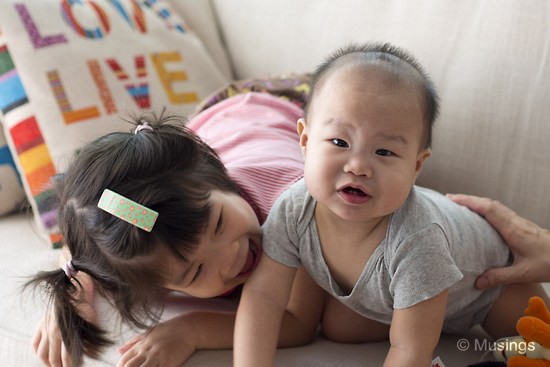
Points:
x=402, y=257
x=200, y=193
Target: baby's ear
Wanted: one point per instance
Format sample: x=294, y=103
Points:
x=421, y=158
x=302, y=132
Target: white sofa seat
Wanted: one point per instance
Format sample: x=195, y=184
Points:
x=24, y=253
x=489, y=60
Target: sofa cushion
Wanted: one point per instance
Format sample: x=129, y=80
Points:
x=489, y=60
x=200, y=17
x=80, y=65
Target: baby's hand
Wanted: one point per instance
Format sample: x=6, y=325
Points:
x=47, y=343
x=162, y=346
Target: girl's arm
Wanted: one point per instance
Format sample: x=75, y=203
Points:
x=415, y=331
x=263, y=302
x=172, y=342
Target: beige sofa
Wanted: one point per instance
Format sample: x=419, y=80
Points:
x=490, y=61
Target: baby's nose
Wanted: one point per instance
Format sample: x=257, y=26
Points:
x=359, y=165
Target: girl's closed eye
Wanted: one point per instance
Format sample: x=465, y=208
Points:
x=219, y=224
x=340, y=143
x=197, y=274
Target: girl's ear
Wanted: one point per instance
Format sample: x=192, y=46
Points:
x=421, y=158
x=302, y=132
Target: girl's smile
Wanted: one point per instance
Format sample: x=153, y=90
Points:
x=226, y=254
x=251, y=260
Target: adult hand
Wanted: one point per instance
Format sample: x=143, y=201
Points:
x=529, y=244
x=168, y=344
x=47, y=343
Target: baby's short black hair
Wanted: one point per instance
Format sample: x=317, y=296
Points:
x=398, y=60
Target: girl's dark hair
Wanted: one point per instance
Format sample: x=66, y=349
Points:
x=167, y=169
x=398, y=60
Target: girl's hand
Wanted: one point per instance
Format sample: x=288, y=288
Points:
x=167, y=344
x=47, y=343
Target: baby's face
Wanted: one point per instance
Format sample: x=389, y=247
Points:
x=362, y=143
x=226, y=254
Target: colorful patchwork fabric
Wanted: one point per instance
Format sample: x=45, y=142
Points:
x=11, y=188
x=70, y=69
x=292, y=87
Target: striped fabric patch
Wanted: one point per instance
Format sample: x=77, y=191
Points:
x=35, y=159
x=12, y=93
x=6, y=158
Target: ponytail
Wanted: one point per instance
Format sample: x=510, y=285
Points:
x=66, y=295
x=165, y=167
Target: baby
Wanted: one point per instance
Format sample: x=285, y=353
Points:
x=403, y=259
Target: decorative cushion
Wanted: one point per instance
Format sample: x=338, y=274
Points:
x=11, y=190
x=206, y=28
x=72, y=67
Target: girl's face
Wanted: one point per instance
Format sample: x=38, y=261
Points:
x=362, y=143
x=226, y=254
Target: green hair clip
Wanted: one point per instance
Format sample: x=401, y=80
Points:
x=128, y=210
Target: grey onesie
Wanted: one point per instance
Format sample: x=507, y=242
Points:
x=431, y=244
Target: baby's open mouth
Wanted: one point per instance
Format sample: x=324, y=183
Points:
x=354, y=195
x=354, y=191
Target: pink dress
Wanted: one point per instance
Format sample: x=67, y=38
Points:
x=255, y=136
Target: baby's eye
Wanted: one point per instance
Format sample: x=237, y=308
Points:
x=384, y=152
x=340, y=143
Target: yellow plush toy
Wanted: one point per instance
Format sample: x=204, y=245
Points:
x=534, y=331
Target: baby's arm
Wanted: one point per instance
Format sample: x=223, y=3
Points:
x=303, y=312
x=263, y=302
x=415, y=331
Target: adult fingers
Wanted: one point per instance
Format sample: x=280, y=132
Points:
x=493, y=210
x=503, y=276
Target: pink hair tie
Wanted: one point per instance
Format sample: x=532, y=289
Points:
x=144, y=126
x=69, y=269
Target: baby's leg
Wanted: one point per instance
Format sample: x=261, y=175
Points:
x=343, y=325
x=509, y=307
